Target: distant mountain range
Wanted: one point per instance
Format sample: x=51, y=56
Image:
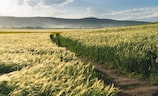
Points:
x=51, y=22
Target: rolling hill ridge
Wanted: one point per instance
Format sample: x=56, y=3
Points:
x=51, y=22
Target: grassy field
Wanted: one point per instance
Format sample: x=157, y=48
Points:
x=132, y=50
x=31, y=65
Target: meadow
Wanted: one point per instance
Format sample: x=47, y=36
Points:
x=31, y=65
x=131, y=50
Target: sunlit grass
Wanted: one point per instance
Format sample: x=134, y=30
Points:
x=132, y=50
x=43, y=69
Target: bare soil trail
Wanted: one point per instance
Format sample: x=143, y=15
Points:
x=128, y=86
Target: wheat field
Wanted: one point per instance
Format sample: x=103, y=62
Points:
x=31, y=65
x=131, y=50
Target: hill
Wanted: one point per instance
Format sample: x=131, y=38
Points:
x=51, y=22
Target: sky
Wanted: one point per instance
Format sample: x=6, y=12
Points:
x=140, y=10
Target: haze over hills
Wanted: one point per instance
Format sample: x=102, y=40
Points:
x=51, y=22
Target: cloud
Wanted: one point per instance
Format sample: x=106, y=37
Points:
x=22, y=8
x=58, y=2
x=45, y=2
x=89, y=11
x=133, y=14
x=94, y=12
x=57, y=8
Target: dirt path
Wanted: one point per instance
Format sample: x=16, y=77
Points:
x=129, y=87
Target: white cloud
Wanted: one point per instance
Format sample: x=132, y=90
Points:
x=29, y=8
x=89, y=11
x=58, y=8
x=45, y=2
x=133, y=14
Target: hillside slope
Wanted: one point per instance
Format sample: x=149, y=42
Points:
x=51, y=22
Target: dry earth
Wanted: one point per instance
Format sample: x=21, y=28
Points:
x=128, y=86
